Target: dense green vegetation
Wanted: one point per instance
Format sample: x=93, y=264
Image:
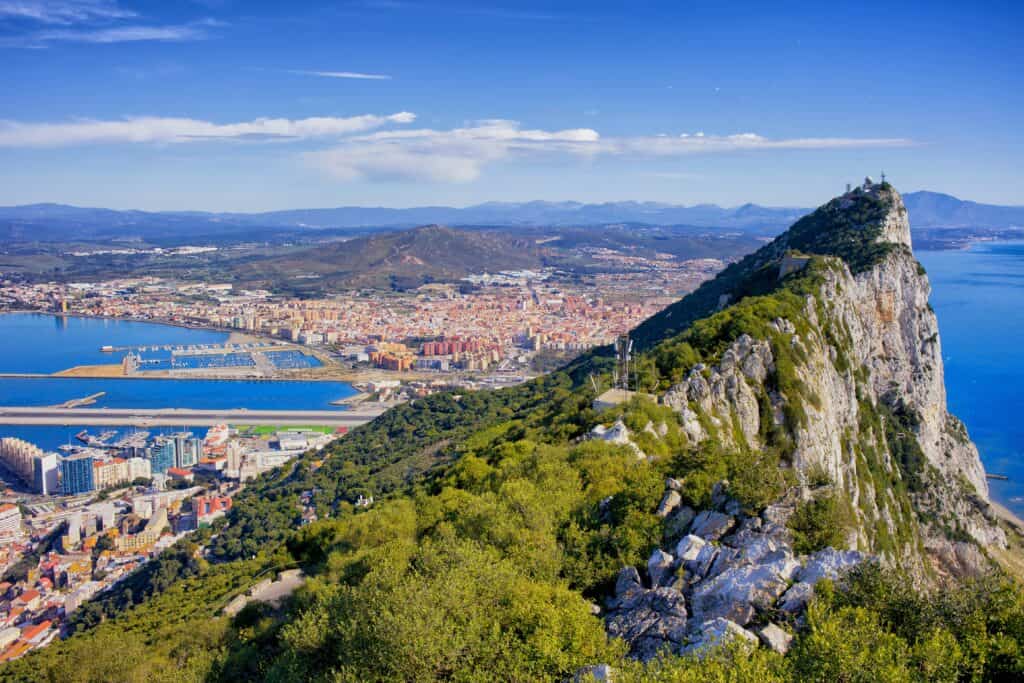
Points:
x=497, y=527
x=845, y=227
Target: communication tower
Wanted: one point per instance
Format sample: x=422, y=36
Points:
x=624, y=358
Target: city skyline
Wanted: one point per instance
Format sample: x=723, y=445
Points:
x=228, y=107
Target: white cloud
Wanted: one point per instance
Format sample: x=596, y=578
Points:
x=457, y=155
x=167, y=130
x=117, y=34
x=461, y=154
x=370, y=147
x=701, y=143
x=343, y=74
x=63, y=12
x=87, y=21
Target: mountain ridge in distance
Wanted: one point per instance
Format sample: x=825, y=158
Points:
x=57, y=222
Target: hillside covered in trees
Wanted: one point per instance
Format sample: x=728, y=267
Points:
x=795, y=505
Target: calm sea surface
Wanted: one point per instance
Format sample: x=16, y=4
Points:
x=41, y=343
x=978, y=296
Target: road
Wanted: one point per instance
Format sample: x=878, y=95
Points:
x=142, y=417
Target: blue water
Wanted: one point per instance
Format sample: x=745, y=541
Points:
x=38, y=343
x=978, y=296
x=175, y=393
x=35, y=342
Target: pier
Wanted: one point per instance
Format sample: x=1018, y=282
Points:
x=86, y=401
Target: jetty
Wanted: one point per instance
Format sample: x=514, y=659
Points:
x=84, y=401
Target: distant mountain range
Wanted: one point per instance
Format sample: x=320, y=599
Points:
x=56, y=222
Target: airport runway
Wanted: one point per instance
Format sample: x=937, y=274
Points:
x=141, y=417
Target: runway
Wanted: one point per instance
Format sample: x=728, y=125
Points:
x=169, y=417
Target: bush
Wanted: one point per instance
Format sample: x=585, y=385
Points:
x=817, y=524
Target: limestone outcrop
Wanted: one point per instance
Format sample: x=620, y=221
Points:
x=864, y=414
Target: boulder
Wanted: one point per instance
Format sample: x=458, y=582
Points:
x=659, y=566
x=775, y=638
x=627, y=581
x=689, y=548
x=698, y=567
x=650, y=621
x=669, y=503
x=718, y=632
x=738, y=592
x=676, y=524
x=673, y=484
x=796, y=598
x=828, y=563
x=711, y=525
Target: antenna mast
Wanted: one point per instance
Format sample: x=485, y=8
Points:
x=624, y=355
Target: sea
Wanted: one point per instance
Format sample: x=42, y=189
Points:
x=43, y=343
x=978, y=295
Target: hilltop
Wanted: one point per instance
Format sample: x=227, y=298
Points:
x=398, y=260
x=788, y=482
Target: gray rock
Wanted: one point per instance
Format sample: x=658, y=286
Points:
x=659, y=566
x=673, y=484
x=653, y=620
x=669, y=503
x=627, y=581
x=775, y=638
x=711, y=525
x=699, y=567
x=595, y=673
x=677, y=523
x=778, y=514
x=828, y=563
x=718, y=632
x=689, y=548
x=796, y=598
x=738, y=592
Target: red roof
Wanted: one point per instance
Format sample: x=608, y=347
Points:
x=178, y=472
x=30, y=594
x=30, y=632
x=7, y=506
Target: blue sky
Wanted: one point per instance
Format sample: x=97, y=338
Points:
x=247, y=106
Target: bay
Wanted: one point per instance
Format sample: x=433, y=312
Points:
x=42, y=343
x=978, y=295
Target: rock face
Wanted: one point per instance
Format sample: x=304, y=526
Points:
x=874, y=336
x=871, y=398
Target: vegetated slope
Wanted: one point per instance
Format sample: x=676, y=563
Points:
x=800, y=432
x=397, y=260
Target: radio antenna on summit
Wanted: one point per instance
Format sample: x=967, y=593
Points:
x=624, y=356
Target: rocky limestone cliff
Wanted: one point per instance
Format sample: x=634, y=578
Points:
x=865, y=420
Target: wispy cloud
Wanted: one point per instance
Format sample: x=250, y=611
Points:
x=342, y=74
x=457, y=155
x=378, y=147
x=40, y=23
x=177, y=130
x=63, y=12
x=119, y=34
x=462, y=154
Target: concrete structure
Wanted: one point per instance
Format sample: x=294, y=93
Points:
x=793, y=262
x=76, y=474
x=10, y=522
x=30, y=463
x=614, y=397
